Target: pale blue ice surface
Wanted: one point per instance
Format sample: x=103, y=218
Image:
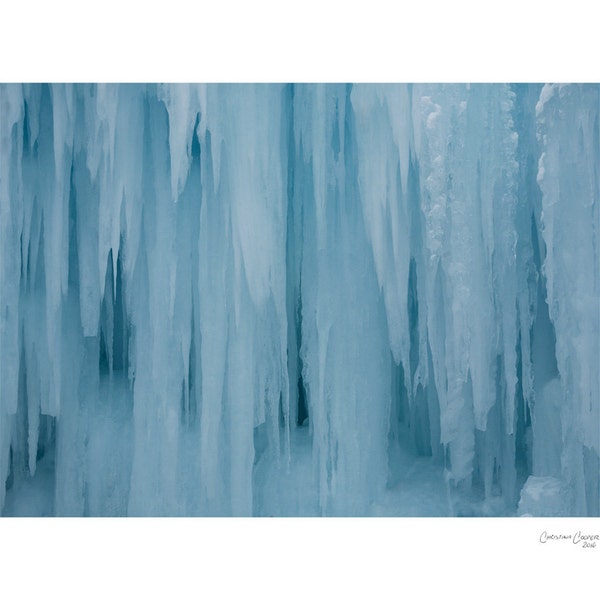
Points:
x=299, y=299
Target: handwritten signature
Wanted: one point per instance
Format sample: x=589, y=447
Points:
x=583, y=540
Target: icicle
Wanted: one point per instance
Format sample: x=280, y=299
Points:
x=382, y=140
x=183, y=107
x=267, y=299
x=568, y=130
x=11, y=211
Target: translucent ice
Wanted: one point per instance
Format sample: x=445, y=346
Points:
x=299, y=299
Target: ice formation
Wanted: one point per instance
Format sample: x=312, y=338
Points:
x=299, y=299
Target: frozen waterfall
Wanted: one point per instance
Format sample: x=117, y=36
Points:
x=307, y=299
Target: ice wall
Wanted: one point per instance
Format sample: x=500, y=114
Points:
x=269, y=299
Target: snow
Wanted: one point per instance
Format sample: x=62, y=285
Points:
x=307, y=299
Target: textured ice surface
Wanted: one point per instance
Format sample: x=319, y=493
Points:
x=543, y=497
x=299, y=299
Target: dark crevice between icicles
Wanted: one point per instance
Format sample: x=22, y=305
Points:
x=282, y=419
x=26, y=134
x=107, y=320
x=121, y=326
x=414, y=414
x=335, y=134
x=494, y=474
x=114, y=327
x=103, y=366
x=294, y=190
x=73, y=249
x=543, y=336
x=437, y=450
x=523, y=425
x=190, y=197
x=260, y=441
x=189, y=405
x=302, y=415
x=411, y=411
x=18, y=464
x=413, y=318
x=398, y=434
x=419, y=414
x=547, y=425
x=18, y=450
x=302, y=406
x=11, y=471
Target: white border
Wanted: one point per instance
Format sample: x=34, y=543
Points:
x=296, y=558
x=311, y=40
